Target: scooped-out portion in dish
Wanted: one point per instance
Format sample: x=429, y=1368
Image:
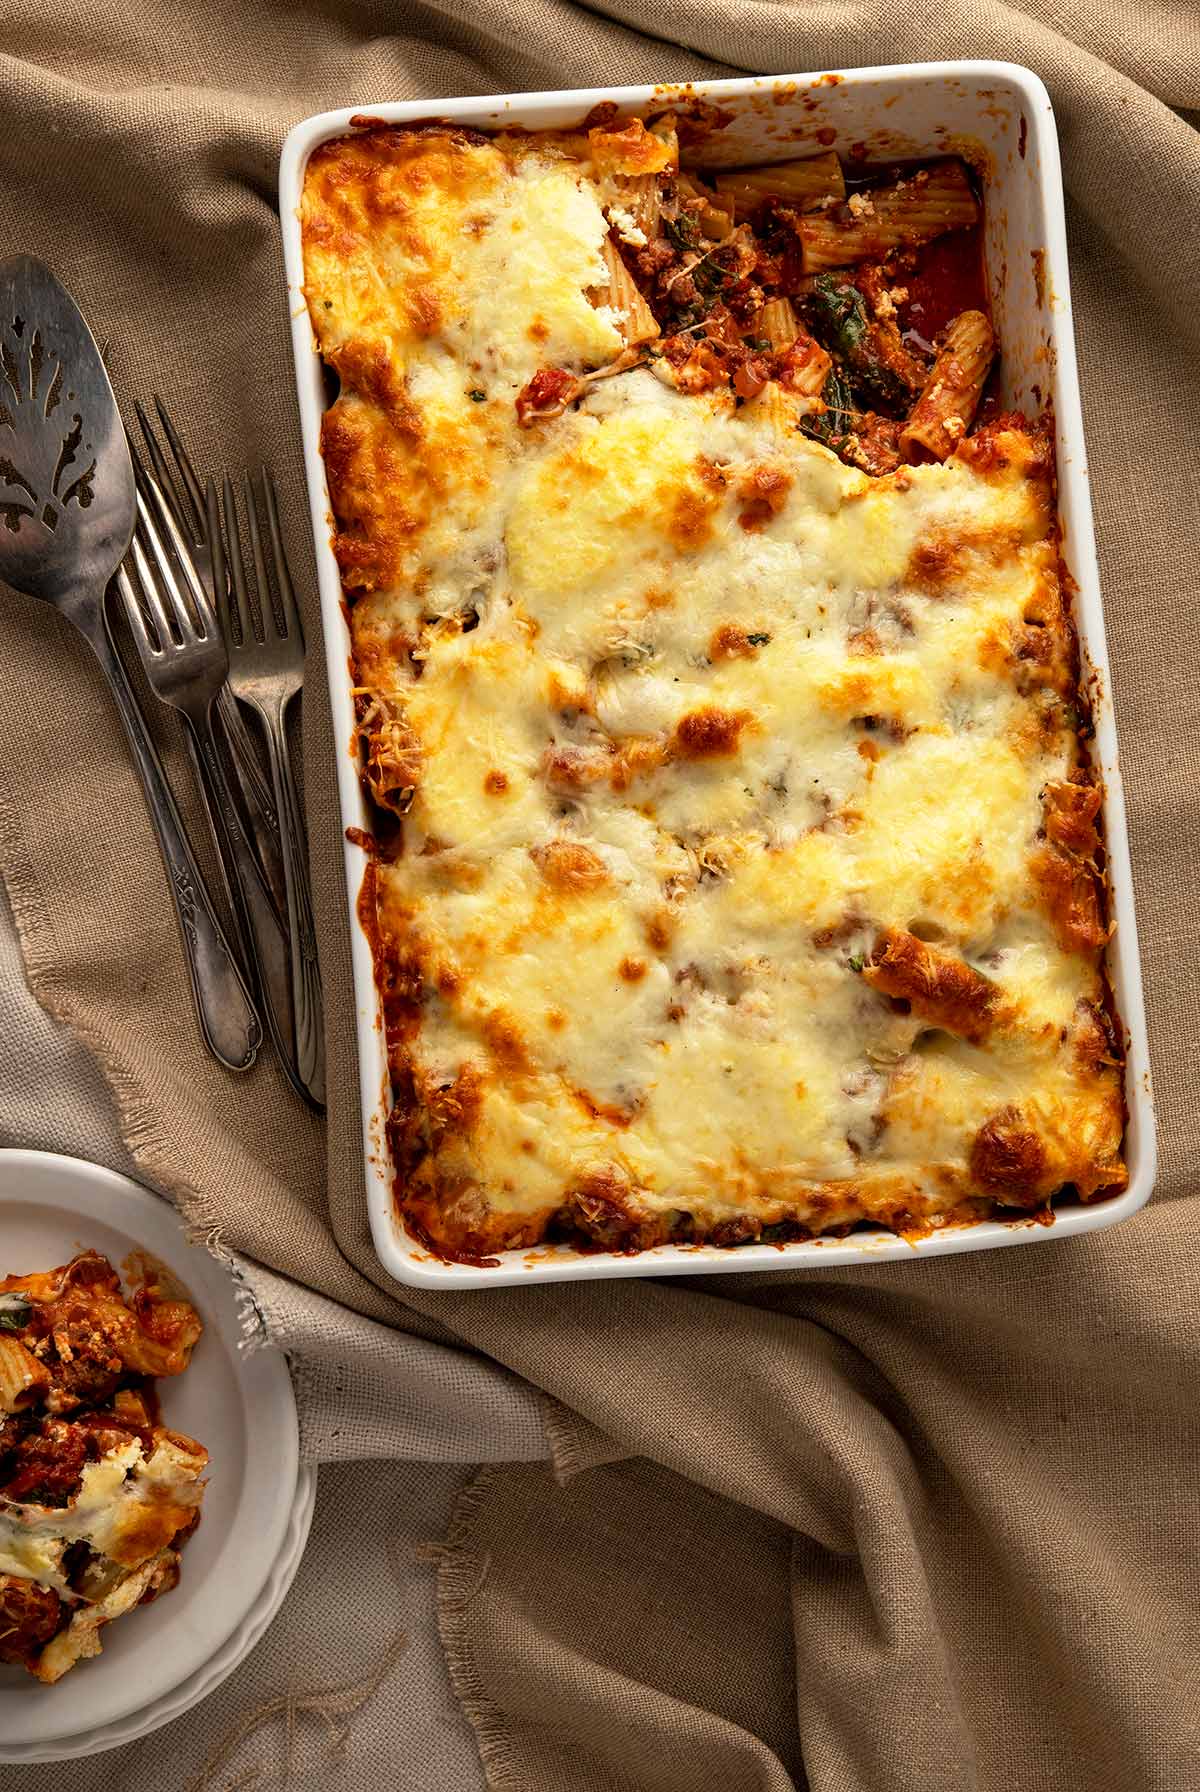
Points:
x=736, y=871
x=97, y=1496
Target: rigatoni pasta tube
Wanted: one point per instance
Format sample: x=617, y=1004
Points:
x=806, y=366
x=873, y=223
x=801, y=365
x=796, y=184
x=635, y=320
x=20, y=1374
x=633, y=181
x=715, y=223
x=639, y=196
x=950, y=396
x=776, y=323
x=940, y=986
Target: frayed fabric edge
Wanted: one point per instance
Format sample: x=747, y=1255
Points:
x=461, y=1573
x=562, y=1434
x=139, y=1125
x=252, y=1319
x=575, y=1443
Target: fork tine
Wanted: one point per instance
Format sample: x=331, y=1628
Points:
x=151, y=595
x=191, y=572
x=141, y=472
x=283, y=577
x=216, y=547
x=237, y=565
x=266, y=604
x=186, y=470
x=168, y=529
x=152, y=499
x=158, y=460
x=135, y=615
x=162, y=578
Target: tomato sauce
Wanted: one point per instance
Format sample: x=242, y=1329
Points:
x=948, y=278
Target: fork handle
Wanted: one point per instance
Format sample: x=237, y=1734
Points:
x=307, y=1001
x=260, y=803
x=228, y=1018
x=257, y=918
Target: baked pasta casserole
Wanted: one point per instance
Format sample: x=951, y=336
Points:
x=735, y=871
x=97, y=1496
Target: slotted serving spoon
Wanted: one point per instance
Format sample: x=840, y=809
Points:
x=67, y=505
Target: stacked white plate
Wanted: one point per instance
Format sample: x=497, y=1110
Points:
x=163, y=1658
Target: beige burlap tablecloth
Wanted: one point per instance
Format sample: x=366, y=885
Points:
x=927, y=1525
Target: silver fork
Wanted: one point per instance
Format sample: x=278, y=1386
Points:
x=267, y=670
x=186, y=662
x=182, y=487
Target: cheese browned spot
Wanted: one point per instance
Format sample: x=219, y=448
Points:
x=939, y=987
x=1008, y=1158
x=789, y=911
x=690, y=519
x=505, y=1041
x=732, y=641
x=630, y=150
x=569, y=865
x=1071, y=811
x=763, y=493
x=709, y=733
x=942, y=560
x=659, y=929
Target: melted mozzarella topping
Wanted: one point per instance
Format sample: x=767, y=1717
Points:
x=120, y=1497
x=684, y=755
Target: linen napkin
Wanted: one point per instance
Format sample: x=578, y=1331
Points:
x=926, y=1524
x=349, y=1685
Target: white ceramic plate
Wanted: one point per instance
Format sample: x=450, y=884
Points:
x=240, y=1405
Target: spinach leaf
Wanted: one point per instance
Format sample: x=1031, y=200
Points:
x=15, y=1309
x=834, y=424
x=837, y=312
x=683, y=231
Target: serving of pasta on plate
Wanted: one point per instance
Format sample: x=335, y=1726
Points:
x=97, y=1495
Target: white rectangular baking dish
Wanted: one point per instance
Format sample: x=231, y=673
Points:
x=1000, y=116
